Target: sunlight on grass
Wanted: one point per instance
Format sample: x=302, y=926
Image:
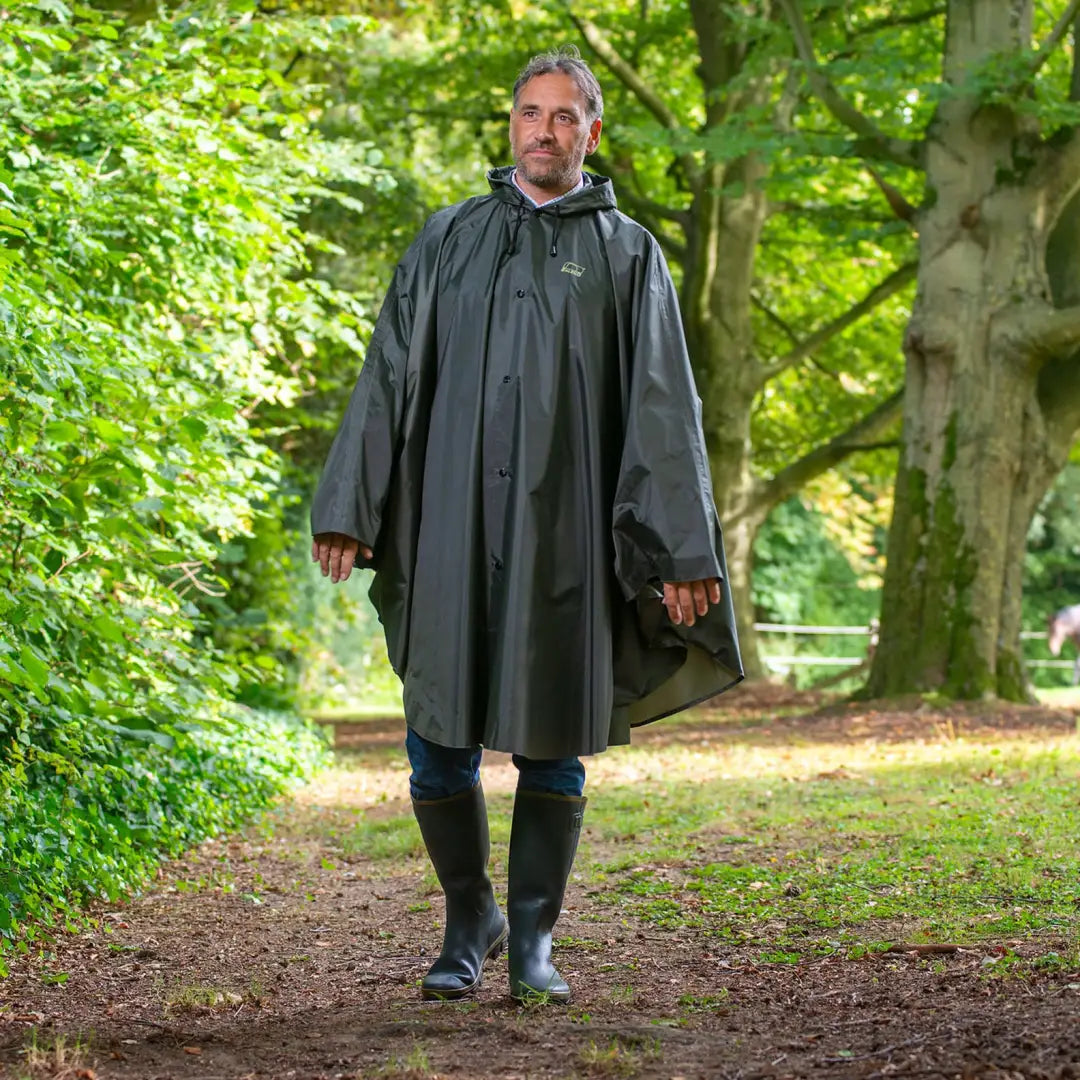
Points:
x=793, y=848
x=1060, y=697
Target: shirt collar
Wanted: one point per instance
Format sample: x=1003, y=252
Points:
x=547, y=202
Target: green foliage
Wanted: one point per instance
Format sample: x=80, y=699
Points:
x=346, y=668
x=811, y=569
x=156, y=308
x=801, y=574
x=1052, y=570
x=94, y=826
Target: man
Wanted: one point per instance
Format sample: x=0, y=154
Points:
x=522, y=464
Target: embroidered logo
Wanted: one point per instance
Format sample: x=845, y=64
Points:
x=573, y=268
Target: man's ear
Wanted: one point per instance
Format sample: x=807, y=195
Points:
x=594, y=136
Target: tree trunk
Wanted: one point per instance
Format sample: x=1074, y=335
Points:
x=980, y=447
x=718, y=276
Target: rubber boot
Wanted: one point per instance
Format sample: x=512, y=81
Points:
x=543, y=842
x=455, y=832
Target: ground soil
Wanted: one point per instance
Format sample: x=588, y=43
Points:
x=271, y=955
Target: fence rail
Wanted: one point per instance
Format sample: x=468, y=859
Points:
x=870, y=631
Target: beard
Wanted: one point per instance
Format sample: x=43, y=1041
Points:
x=561, y=170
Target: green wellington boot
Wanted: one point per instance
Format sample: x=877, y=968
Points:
x=455, y=832
x=543, y=842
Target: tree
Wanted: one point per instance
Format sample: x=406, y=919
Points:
x=992, y=399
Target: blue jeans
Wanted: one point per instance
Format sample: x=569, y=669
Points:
x=441, y=771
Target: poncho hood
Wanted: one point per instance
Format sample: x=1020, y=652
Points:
x=597, y=194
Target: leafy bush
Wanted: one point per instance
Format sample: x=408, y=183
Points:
x=157, y=311
x=94, y=824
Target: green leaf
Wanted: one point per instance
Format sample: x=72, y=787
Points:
x=108, y=629
x=62, y=432
x=36, y=669
x=107, y=430
x=194, y=427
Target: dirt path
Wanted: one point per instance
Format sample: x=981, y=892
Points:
x=284, y=953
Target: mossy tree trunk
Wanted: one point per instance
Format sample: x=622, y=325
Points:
x=993, y=397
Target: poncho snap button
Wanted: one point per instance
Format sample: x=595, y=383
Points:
x=521, y=292
x=504, y=472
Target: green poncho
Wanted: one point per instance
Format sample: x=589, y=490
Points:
x=523, y=452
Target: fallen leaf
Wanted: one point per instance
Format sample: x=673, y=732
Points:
x=192, y=1050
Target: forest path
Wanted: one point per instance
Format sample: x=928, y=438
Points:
x=294, y=950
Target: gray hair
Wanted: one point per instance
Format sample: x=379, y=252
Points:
x=566, y=61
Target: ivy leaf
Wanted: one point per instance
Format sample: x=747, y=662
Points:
x=37, y=671
x=62, y=432
x=194, y=427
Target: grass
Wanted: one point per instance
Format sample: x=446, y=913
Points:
x=413, y=1066
x=59, y=1058
x=1060, y=697
x=975, y=845
x=793, y=848
x=378, y=839
x=188, y=997
x=621, y=1056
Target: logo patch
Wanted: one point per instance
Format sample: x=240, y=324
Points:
x=573, y=268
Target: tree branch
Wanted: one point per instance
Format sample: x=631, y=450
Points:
x=1059, y=170
x=641, y=203
x=874, y=142
x=297, y=57
x=775, y=319
x=898, y=204
x=1053, y=334
x=645, y=210
x=1074, y=74
x=631, y=78
x=797, y=475
x=626, y=74
x=881, y=292
x=887, y=22
x=1061, y=28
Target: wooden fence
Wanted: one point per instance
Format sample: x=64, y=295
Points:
x=870, y=632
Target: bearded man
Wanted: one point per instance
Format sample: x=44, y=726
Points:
x=522, y=464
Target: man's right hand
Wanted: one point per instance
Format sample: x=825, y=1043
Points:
x=336, y=554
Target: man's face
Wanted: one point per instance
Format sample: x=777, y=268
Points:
x=549, y=132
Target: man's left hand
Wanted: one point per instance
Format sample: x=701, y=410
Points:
x=686, y=600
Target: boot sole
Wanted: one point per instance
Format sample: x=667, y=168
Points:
x=494, y=949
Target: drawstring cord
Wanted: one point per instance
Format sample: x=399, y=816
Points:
x=522, y=212
x=555, y=233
